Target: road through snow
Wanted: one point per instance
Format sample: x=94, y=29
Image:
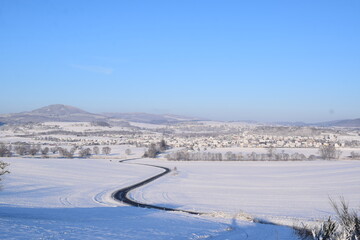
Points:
x=122, y=194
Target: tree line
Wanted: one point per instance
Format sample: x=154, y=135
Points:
x=325, y=152
x=25, y=149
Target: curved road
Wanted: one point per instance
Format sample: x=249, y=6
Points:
x=122, y=194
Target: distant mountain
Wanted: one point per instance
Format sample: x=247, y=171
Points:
x=149, y=118
x=297, y=124
x=341, y=123
x=64, y=113
x=52, y=113
x=58, y=109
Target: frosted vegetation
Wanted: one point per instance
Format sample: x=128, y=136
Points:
x=345, y=227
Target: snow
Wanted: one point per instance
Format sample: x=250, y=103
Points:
x=281, y=191
x=70, y=199
x=67, y=182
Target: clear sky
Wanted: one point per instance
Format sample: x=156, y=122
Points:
x=225, y=60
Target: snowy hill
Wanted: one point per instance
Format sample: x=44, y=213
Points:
x=57, y=112
x=64, y=113
x=342, y=123
x=59, y=109
x=149, y=118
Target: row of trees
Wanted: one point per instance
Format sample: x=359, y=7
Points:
x=184, y=155
x=82, y=152
x=25, y=149
x=326, y=152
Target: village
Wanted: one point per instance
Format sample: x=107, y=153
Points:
x=191, y=136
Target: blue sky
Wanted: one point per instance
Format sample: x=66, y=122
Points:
x=223, y=60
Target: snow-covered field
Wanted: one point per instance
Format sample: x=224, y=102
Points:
x=70, y=199
x=280, y=191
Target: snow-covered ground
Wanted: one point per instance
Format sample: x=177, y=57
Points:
x=70, y=199
x=280, y=191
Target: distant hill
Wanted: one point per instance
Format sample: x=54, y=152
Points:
x=341, y=123
x=52, y=113
x=149, y=118
x=58, y=109
x=64, y=113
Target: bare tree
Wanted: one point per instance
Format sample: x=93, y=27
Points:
x=162, y=145
x=65, y=153
x=33, y=151
x=271, y=153
x=152, y=151
x=4, y=151
x=22, y=149
x=73, y=149
x=86, y=152
x=106, y=150
x=44, y=152
x=329, y=152
x=54, y=149
x=96, y=150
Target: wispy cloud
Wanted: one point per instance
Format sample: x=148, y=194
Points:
x=92, y=68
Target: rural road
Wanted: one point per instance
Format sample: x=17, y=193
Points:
x=122, y=194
